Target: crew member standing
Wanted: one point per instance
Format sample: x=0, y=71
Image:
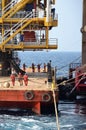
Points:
x=20, y=79
x=33, y=67
x=38, y=66
x=13, y=79
x=44, y=67
x=49, y=71
x=25, y=77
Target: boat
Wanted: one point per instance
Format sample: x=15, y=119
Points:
x=75, y=84
x=37, y=95
x=25, y=26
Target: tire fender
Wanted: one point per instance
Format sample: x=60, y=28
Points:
x=46, y=97
x=29, y=95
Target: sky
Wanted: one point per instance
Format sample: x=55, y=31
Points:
x=69, y=25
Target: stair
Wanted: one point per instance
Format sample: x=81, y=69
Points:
x=8, y=6
x=16, y=67
x=14, y=7
x=17, y=28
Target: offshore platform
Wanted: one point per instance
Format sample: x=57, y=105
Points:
x=24, y=25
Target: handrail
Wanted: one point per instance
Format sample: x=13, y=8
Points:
x=19, y=24
x=13, y=7
x=34, y=41
x=53, y=40
x=74, y=65
x=8, y=6
x=16, y=26
x=22, y=14
x=56, y=17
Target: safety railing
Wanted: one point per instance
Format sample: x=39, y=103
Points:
x=8, y=6
x=18, y=25
x=33, y=41
x=22, y=14
x=30, y=41
x=13, y=7
x=53, y=41
x=15, y=54
x=56, y=17
x=74, y=65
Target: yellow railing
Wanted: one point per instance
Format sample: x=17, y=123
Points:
x=15, y=8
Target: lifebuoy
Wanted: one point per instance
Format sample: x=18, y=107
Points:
x=46, y=97
x=29, y=95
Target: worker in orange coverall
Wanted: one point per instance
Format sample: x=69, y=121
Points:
x=25, y=77
x=13, y=79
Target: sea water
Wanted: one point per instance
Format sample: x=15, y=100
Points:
x=72, y=115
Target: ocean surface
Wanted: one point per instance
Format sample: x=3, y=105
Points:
x=72, y=114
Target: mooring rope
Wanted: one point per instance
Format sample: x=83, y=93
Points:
x=68, y=81
x=83, y=77
x=56, y=112
x=55, y=106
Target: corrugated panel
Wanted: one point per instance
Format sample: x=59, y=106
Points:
x=29, y=36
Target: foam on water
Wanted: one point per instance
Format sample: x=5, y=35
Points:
x=67, y=122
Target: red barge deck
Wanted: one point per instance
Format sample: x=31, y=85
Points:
x=25, y=29
x=37, y=96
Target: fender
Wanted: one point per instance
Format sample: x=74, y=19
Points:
x=29, y=95
x=46, y=97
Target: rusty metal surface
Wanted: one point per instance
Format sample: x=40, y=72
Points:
x=84, y=34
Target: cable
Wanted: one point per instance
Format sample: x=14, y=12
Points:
x=69, y=63
x=56, y=113
x=54, y=98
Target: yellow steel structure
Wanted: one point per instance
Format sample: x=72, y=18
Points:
x=20, y=16
x=15, y=8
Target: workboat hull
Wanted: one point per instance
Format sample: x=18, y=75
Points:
x=39, y=101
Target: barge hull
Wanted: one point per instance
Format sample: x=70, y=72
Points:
x=38, y=101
